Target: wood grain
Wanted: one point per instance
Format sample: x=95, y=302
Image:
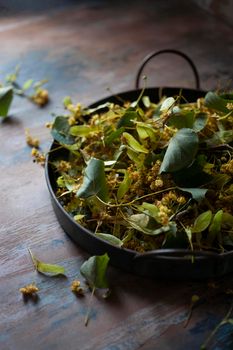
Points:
x=83, y=49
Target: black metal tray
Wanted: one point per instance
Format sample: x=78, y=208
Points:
x=179, y=264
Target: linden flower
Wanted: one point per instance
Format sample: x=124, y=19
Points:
x=64, y=166
x=227, y=168
x=38, y=157
x=31, y=141
x=75, y=287
x=41, y=97
x=29, y=289
x=229, y=106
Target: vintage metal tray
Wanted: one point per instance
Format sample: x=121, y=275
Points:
x=176, y=264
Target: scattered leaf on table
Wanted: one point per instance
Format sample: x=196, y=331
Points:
x=47, y=269
x=94, y=271
x=6, y=97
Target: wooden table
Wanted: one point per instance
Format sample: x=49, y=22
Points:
x=84, y=48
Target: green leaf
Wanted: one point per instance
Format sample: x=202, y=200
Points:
x=216, y=102
x=145, y=131
x=147, y=225
x=134, y=144
x=215, y=227
x=198, y=194
x=220, y=137
x=47, y=269
x=200, y=122
x=150, y=209
x=6, y=97
x=110, y=239
x=114, y=136
x=192, y=176
x=138, y=159
x=181, y=151
x=94, y=271
x=167, y=104
x=98, y=108
x=12, y=77
x=94, y=183
x=146, y=101
x=220, y=180
x=185, y=119
x=128, y=116
x=124, y=186
x=82, y=130
x=227, y=220
x=67, y=101
x=202, y=222
x=60, y=131
x=28, y=84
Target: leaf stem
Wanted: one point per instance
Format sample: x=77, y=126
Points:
x=89, y=307
x=136, y=199
x=32, y=258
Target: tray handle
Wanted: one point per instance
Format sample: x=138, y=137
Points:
x=176, y=254
x=172, y=51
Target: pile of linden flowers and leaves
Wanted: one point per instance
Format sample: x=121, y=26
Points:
x=144, y=175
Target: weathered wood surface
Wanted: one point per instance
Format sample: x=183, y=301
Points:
x=83, y=49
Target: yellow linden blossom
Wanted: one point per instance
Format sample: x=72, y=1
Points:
x=31, y=141
x=41, y=97
x=29, y=289
x=163, y=214
x=76, y=112
x=158, y=183
x=38, y=157
x=63, y=166
x=75, y=288
x=229, y=106
x=227, y=168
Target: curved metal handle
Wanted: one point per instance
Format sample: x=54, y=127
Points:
x=176, y=254
x=176, y=52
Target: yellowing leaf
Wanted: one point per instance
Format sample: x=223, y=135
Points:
x=47, y=269
x=134, y=144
